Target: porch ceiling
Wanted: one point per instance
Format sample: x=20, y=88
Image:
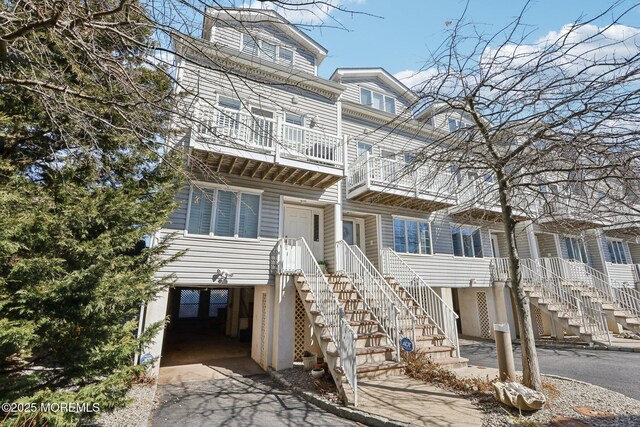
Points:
x=410, y=202
x=220, y=163
x=478, y=212
x=563, y=222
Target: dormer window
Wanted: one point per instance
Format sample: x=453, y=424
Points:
x=266, y=50
x=454, y=125
x=377, y=101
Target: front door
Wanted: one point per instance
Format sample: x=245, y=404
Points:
x=353, y=231
x=307, y=223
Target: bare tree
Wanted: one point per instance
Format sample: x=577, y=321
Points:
x=549, y=130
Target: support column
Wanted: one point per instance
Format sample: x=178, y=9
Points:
x=156, y=312
x=284, y=307
x=235, y=312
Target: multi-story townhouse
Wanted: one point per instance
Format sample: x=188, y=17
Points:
x=296, y=174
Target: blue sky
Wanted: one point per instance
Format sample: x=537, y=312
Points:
x=401, y=37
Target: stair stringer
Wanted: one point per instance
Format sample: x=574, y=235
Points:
x=333, y=362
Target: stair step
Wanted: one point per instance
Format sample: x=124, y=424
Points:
x=365, y=350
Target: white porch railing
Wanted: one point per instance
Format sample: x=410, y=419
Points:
x=580, y=273
x=552, y=290
x=254, y=132
x=394, y=174
x=296, y=258
x=393, y=314
x=628, y=299
x=431, y=304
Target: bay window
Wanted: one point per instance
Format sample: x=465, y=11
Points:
x=223, y=213
x=412, y=237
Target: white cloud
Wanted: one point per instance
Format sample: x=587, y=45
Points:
x=305, y=13
x=416, y=79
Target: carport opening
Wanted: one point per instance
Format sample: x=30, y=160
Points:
x=208, y=325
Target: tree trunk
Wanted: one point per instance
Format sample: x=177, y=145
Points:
x=530, y=369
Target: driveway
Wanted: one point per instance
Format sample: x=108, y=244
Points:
x=614, y=370
x=223, y=397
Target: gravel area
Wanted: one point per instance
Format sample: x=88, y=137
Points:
x=136, y=413
x=324, y=386
x=613, y=409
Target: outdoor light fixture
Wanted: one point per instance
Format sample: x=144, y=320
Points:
x=221, y=276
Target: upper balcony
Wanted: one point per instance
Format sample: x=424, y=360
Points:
x=392, y=182
x=480, y=200
x=249, y=145
x=569, y=211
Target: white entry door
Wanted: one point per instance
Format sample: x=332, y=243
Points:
x=307, y=223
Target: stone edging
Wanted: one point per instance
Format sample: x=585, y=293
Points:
x=341, y=411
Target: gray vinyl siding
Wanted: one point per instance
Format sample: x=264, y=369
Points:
x=448, y=271
x=547, y=245
x=596, y=256
x=226, y=35
x=208, y=84
x=371, y=240
x=522, y=241
x=247, y=259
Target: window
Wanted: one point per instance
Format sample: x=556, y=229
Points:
x=269, y=51
x=223, y=213
x=467, y=242
x=364, y=147
x=249, y=45
x=266, y=50
x=454, y=125
x=285, y=56
x=616, y=251
x=377, y=101
x=413, y=237
x=316, y=227
x=230, y=103
x=576, y=250
x=294, y=119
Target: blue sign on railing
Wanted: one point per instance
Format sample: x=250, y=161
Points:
x=406, y=344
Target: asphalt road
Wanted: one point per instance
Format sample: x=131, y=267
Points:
x=614, y=370
x=237, y=401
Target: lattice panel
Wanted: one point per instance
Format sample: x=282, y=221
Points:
x=483, y=315
x=189, y=303
x=218, y=298
x=537, y=315
x=298, y=338
x=263, y=331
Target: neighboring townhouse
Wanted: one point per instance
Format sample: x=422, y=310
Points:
x=297, y=176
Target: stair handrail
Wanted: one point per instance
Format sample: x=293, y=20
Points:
x=553, y=289
x=580, y=272
x=431, y=304
x=391, y=312
x=295, y=257
x=628, y=298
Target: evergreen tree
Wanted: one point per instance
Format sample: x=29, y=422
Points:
x=85, y=176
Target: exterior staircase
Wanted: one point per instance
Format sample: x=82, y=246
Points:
x=619, y=303
x=573, y=310
x=436, y=330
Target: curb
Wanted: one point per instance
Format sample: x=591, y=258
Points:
x=598, y=346
x=341, y=411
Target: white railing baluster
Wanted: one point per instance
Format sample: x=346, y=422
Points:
x=431, y=304
x=295, y=258
x=391, y=312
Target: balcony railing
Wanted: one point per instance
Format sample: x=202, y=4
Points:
x=392, y=174
x=249, y=131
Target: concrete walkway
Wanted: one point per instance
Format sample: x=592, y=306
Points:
x=410, y=401
x=201, y=395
